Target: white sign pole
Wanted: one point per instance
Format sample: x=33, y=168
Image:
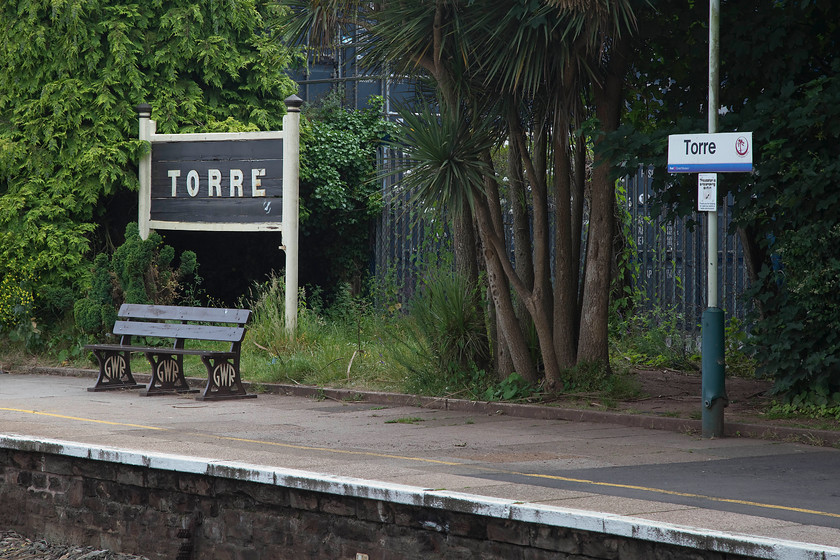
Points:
x=710, y=154
x=714, y=81
x=712, y=334
x=291, y=202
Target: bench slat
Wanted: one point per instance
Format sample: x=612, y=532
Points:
x=161, y=350
x=177, y=313
x=170, y=330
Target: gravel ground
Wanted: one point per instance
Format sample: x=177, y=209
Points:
x=17, y=547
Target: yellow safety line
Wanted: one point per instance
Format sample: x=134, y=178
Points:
x=675, y=493
x=52, y=414
x=450, y=463
x=339, y=451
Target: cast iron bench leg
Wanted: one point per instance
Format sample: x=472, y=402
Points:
x=223, y=381
x=114, y=371
x=167, y=374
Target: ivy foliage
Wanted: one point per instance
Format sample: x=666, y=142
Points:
x=71, y=74
x=339, y=194
x=794, y=207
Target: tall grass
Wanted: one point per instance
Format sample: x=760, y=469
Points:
x=346, y=352
x=439, y=347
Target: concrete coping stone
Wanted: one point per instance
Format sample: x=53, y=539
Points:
x=605, y=523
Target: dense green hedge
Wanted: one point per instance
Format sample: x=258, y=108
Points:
x=71, y=74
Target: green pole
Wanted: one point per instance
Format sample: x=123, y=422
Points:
x=713, y=381
x=712, y=335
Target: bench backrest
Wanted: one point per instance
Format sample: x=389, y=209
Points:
x=148, y=320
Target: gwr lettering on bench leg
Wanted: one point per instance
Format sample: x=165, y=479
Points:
x=223, y=380
x=114, y=371
x=167, y=374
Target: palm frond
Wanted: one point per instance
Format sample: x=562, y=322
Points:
x=319, y=24
x=443, y=162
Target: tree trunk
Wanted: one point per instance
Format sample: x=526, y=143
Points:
x=523, y=255
x=566, y=268
x=754, y=257
x=578, y=197
x=539, y=301
x=500, y=291
x=501, y=349
x=502, y=352
x=593, y=345
x=463, y=239
x=753, y=254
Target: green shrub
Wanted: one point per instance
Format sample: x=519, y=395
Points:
x=587, y=377
x=739, y=359
x=444, y=345
x=513, y=387
x=812, y=404
x=339, y=199
x=656, y=338
x=88, y=315
x=447, y=317
x=16, y=299
x=797, y=339
x=139, y=271
x=346, y=308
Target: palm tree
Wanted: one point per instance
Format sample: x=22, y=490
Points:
x=535, y=72
x=535, y=66
x=448, y=154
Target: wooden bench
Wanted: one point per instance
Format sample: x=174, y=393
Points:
x=180, y=324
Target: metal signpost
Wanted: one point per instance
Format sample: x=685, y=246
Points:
x=243, y=181
x=709, y=154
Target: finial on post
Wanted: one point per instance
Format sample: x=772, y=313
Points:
x=144, y=111
x=293, y=103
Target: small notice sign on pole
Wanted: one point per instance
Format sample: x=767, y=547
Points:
x=707, y=192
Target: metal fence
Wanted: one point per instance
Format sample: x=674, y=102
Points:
x=672, y=256
x=670, y=253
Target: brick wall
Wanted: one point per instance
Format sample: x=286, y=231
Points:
x=139, y=509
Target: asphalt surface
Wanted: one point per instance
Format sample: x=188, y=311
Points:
x=755, y=487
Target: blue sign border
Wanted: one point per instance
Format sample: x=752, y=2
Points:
x=710, y=167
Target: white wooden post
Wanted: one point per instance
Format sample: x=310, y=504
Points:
x=144, y=112
x=291, y=202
